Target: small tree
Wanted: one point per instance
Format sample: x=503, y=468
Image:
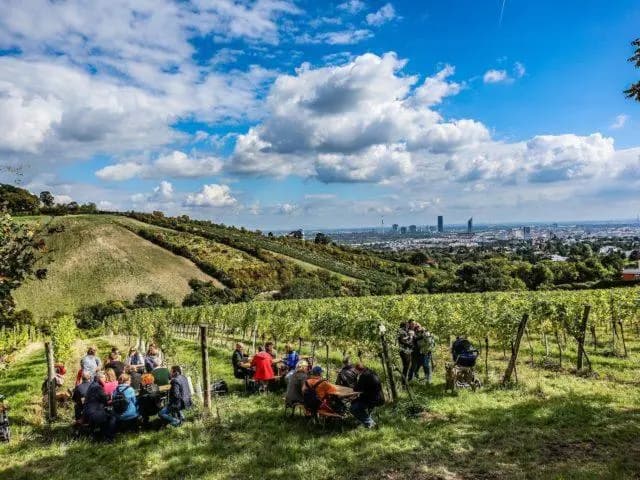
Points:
x=47, y=199
x=634, y=90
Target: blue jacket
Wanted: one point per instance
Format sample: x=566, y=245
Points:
x=291, y=360
x=132, y=410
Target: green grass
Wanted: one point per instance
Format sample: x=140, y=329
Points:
x=94, y=260
x=552, y=425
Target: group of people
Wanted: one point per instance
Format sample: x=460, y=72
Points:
x=417, y=347
x=115, y=395
x=305, y=384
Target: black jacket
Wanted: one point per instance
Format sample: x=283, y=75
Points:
x=236, y=359
x=95, y=402
x=370, y=387
x=347, y=377
x=179, y=394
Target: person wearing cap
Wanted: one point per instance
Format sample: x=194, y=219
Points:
x=296, y=382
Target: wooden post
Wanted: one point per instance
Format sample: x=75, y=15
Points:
x=624, y=344
x=516, y=348
x=486, y=357
x=385, y=356
x=526, y=330
x=559, y=347
x=546, y=344
x=206, y=389
x=594, y=337
x=327, y=365
x=51, y=383
x=255, y=334
x=582, y=334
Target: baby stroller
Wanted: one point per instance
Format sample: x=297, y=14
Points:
x=5, y=433
x=461, y=372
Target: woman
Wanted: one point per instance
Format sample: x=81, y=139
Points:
x=294, y=389
x=262, y=364
x=150, y=402
x=125, y=403
x=111, y=381
x=134, y=359
x=153, y=358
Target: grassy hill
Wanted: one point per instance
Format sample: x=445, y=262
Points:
x=95, y=259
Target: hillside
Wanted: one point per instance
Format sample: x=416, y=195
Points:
x=95, y=259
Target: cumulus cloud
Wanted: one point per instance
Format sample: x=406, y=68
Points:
x=287, y=209
x=213, y=195
x=347, y=36
x=519, y=70
x=437, y=87
x=163, y=192
x=352, y=6
x=61, y=199
x=382, y=16
x=176, y=164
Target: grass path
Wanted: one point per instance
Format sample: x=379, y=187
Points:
x=553, y=425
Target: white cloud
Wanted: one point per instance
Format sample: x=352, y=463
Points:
x=341, y=37
x=382, y=16
x=60, y=199
x=495, y=76
x=352, y=6
x=213, y=195
x=175, y=164
x=163, y=192
x=519, y=70
x=435, y=88
x=619, y=122
x=287, y=209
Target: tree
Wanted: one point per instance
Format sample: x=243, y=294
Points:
x=47, y=199
x=17, y=200
x=17, y=255
x=322, y=239
x=634, y=90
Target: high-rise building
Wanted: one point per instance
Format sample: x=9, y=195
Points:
x=403, y=230
x=413, y=229
x=526, y=233
x=440, y=223
x=394, y=227
x=470, y=225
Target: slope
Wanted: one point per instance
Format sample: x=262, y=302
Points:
x=93, y=259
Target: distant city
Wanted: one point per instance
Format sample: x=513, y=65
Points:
x=397, y=237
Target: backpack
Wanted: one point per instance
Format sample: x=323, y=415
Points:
x=310, y=397
x=426, y=344
x=120, y=401
x=219, y=387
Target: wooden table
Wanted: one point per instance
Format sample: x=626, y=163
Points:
x=164, y=388
x=344, y=392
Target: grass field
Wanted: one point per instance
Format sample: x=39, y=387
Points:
x=552, y=425
x=96, y=259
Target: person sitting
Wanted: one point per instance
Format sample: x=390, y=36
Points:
x=161, y=376
x=371, y=395
x=237, y=358
x=262, y=364
x=135, y=376
x=135, y=360
x=291, y=359
x=153, y=359
x=316, y=391
x=150, y=401
x=463, y=353
x=111, y=382
x=90, y=362
x=115, y=364
x=179, y=398
x=347, y=376
x=125, y=403
x=95, y=408
x=268, y=347
x=79, y=395
x=296, y=381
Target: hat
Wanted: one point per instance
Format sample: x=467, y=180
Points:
x=317, y=370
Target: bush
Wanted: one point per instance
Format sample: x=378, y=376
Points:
x=63, y=335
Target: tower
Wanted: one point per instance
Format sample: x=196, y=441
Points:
x=440, y=223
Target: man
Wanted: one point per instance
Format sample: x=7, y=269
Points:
x=371, y=395
x=115, y=363
x=347, y=376
x=268, y=347
x=95, y=411
x=425, y=344
x=90, y=362
x=291, y=358
x=179, y=398
x=316, y=390
x=135, y=376
x=405, y=343
x=79, y=395
x=237, y=358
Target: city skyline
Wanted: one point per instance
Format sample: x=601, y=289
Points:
x=294, y=114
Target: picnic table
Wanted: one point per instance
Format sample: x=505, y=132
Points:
x=344, y=392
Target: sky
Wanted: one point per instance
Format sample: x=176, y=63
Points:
x=278, y=114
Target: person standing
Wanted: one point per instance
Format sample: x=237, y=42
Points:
x=179, y=398
x=371, y=395
x=405, y=344
x=425, y=344
x=90, y=362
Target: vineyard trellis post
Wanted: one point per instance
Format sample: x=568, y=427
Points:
x=582, y=335
x=385, y=356
x=52, y=407
x=516, y=348
x=624, y=343
x=206, y=390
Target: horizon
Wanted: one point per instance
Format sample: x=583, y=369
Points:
x=294, y=113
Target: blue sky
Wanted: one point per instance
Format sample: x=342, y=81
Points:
x=281, y=113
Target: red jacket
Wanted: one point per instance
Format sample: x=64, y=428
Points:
x=263, y=370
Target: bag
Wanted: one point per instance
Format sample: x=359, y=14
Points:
x=310, y=397
x=426, y=344
x=219, y=387
x=120, y=402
